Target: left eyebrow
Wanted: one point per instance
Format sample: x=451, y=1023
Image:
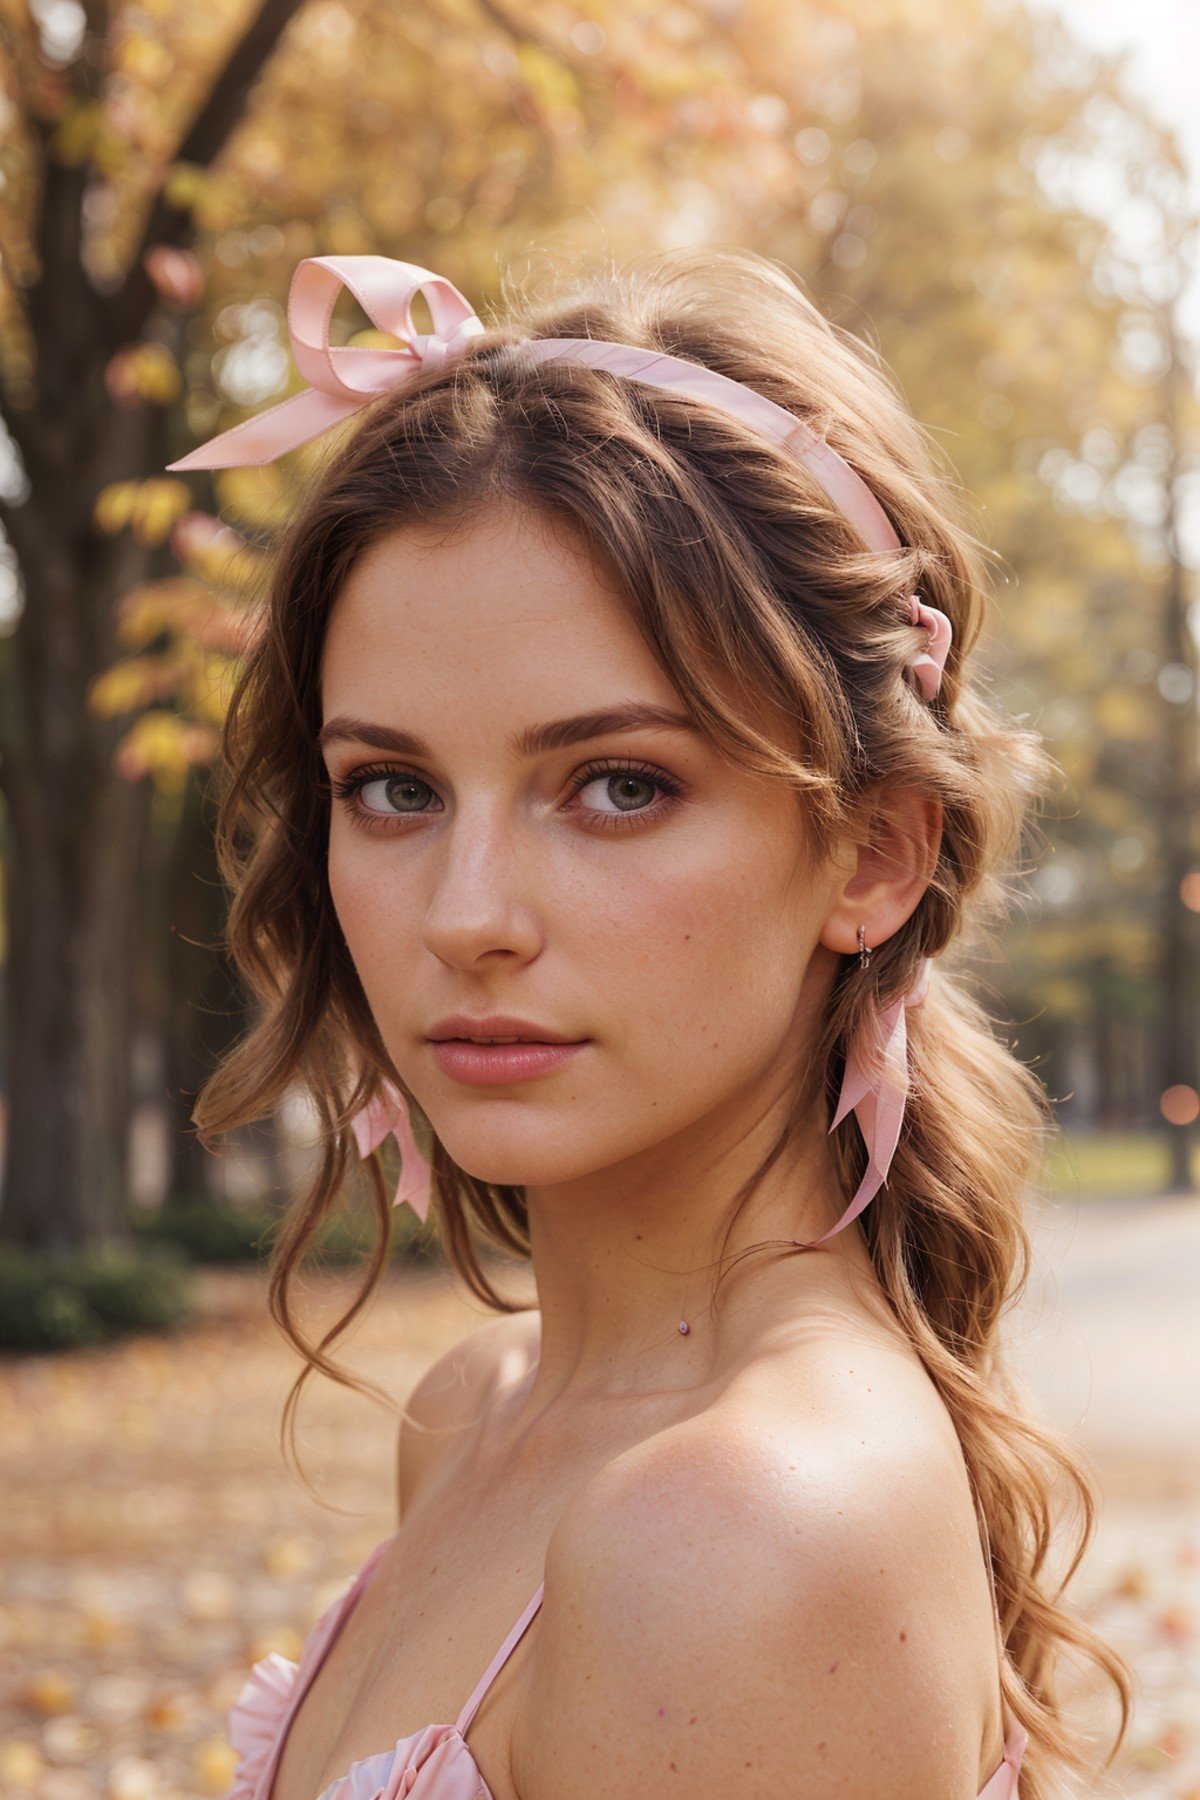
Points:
x=534, y=740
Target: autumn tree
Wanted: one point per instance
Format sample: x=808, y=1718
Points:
x=76, y=828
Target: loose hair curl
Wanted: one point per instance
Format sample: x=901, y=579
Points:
x=759, y=600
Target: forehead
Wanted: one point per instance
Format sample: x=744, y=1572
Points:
x=508, y=614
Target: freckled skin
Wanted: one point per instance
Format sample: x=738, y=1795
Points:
x=508, y=899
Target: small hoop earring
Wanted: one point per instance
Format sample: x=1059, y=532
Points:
x=864, y=954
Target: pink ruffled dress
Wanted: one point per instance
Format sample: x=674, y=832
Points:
x=433, y=1764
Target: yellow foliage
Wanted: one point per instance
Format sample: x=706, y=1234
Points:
x=111, y=153
x=550, y=80
x=237, y=568
x=186, y=183
x=150, y=507
x=346, y=234
x=132, y=683
x=217, y=552
x=156, y=507
x=113, y=507
x=1122, y=713
x=156, y=374
x=144, y=58
x=115, y=690
x=257, y=495
x=155, y=606
x=371, y=339
x=1061, y=997
x=156, y=745
x=164, y=746
x=210, y=693
x=75, y=135
x=142, y=372
x=224, y=203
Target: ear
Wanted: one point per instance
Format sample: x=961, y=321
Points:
x=886, y=875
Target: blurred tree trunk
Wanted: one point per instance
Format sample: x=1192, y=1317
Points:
x=71, y=950
x=205, y=1005
x=77, y=838
x=77, y=830
x=1106, y=1047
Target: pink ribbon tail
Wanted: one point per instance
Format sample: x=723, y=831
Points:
x=268, y=434
x=928, y=665
x=388, y=1112
x=875, y=1087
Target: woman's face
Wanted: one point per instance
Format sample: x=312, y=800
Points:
x=632, y=888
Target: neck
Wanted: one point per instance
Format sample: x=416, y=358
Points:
x=621, y=1257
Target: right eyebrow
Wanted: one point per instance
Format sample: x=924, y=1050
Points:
x=533, y=740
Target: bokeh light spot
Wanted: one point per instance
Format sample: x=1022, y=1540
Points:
x=1180, y=1105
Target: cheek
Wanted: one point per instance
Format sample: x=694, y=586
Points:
x=701, y=968
x=347, y=888
x=367, y=899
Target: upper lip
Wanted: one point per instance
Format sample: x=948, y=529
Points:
x=492, y=1025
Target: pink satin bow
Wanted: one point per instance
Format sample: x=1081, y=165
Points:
x=343, y=378
x=388, y=1112
x=875, y=1086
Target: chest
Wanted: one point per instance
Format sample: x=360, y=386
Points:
x=438, y=1604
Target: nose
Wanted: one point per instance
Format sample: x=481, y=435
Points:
x=483, y=885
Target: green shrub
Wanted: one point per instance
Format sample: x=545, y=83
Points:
x=147, y=1289
x=66, y=1302
x=347, y=1237
x=40, y=1309
x=211, y=1231
x=222, y=1231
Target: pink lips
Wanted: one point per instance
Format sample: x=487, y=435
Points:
x=489, y=1065
x=455, y=1042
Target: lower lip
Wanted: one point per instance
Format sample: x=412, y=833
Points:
x=488, y=1065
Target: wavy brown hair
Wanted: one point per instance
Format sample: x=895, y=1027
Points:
x=749, y=586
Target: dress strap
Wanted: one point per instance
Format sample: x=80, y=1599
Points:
x=497, y=1663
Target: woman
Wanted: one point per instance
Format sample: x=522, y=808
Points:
x=597, y=706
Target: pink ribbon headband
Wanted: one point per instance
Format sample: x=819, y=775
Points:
x=342, y=379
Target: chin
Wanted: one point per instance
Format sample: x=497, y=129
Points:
x=518, y=1156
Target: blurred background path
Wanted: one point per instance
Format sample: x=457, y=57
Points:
x=1108, y=1333
x=1107, y=1337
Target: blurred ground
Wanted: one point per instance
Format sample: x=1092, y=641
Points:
x=1108, y=1339
x=154, y=1543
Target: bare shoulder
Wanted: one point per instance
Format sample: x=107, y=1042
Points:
x=454, y=1390
x=766, y=1600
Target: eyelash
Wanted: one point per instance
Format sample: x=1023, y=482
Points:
x=351, y=785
